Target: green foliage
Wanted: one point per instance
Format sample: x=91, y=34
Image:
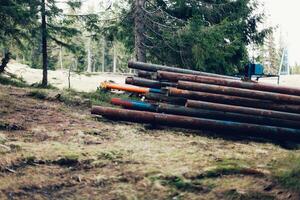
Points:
x=99, y=97
x=211, y=51
x=203, y=35
x=20, y=25
x=16, y=17
x=207, y=35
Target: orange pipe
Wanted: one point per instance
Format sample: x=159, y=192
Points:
x=113, y=86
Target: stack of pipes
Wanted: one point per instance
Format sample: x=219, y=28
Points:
x=198, y=100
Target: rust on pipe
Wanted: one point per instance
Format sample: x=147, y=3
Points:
x=226, y=115
x=232, y=100
x=226, y=99
x=148, y=83
x=205, y=113
x=275, y=97
x=145, y=74
x=174, y=77
x=154, y=68
x=198, y=123
x=243, y=110
x=163, y=98
x=121, y=114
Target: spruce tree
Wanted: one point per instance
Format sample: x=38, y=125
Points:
x=208, y=35
x=17, y=17
x=52, y=17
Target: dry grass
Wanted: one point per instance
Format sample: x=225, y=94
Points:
x=62, y=152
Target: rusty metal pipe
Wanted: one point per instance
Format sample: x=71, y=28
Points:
x=227, y=116
x=154, y=68
x=198, y=123
x=134, y=105
x=204, y=113
x=174, y=77
x=124, y=114
x=163, y=98
x=232, y=100
x=275, y=97
x=218, y=98
x=146, y=74
x=243, y=110
x=148, y=83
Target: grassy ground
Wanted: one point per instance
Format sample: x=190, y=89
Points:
x=51, y=147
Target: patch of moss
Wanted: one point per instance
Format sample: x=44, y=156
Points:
x=220, y=171
x=253, y=195
x=39, y=85
x=287, y=172
x=38, y=94
x=2, y=139
x=111, y=155
x=13, y=81
x=30, y=159
x=228, y=167
x=180, y=183
x=15, y=147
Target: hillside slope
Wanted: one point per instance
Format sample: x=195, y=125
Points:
x=50, y=150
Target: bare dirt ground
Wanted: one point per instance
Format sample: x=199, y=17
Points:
x=59, y=78
x=51, y=151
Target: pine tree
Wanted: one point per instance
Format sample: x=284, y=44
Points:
x=207, y=35
x=139, y=31
x=270, y=55
x=51, y=29
x=284, y=68
x=17, y=17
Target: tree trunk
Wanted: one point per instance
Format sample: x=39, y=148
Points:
x=76, y=65
x=115, y=60
x=94, y=65
x=69, y=75
x=103, y=55
x=5, y=61
x=140, y=51
x=44, y=45
x=89, y=58
x=60, y=57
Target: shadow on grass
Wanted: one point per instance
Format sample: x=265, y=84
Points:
x=229, y=136
x=12, y=81
x=286, y=172
x=15, y=81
